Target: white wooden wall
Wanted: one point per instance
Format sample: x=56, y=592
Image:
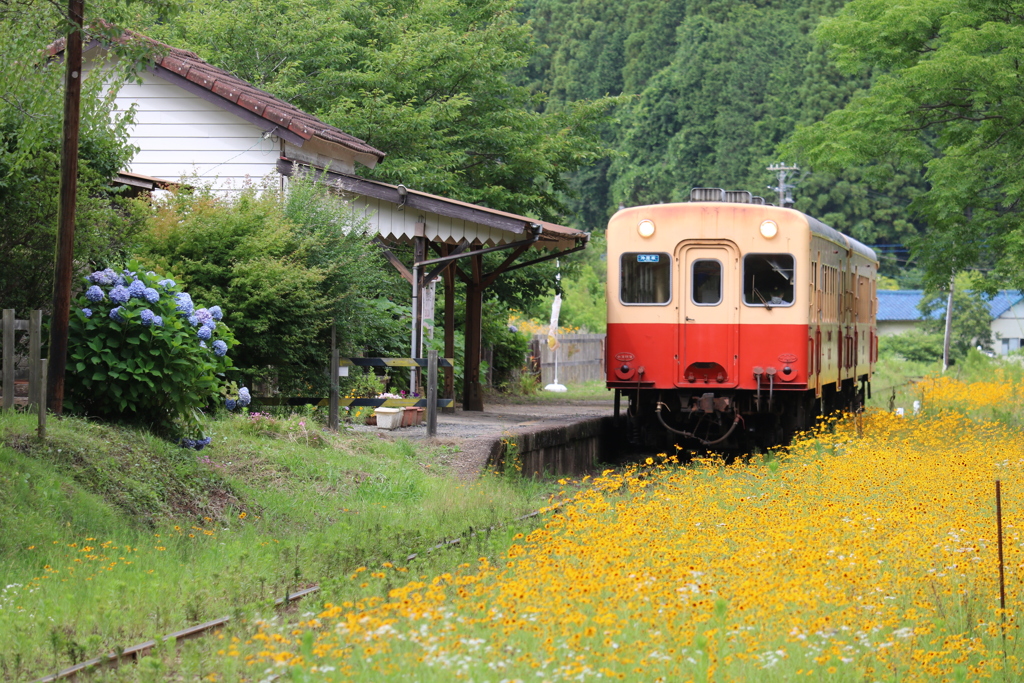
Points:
x=180, y=135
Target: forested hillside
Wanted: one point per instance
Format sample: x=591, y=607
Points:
x=715, y=86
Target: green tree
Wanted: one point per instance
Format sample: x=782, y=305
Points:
x=972, y=321
x=945, y=98
x=428, y=81
x=283, y=268
x=31, y=102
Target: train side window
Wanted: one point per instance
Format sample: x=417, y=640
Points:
x=769, y=280
x=645, y=278
x=706, y=281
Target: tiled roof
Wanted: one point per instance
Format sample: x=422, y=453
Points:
x=902, y=304
x=234, y=90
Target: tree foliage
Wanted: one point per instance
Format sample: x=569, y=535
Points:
x=427, y=81
x=31, y=102
x=284, y=268
x=945, y=98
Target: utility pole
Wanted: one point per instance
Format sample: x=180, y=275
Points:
x=783, y=189
x=61, y=307
x=948, y=333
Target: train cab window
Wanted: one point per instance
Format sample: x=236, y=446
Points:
x=769, y=280
x=645, y=278
x=706, y=281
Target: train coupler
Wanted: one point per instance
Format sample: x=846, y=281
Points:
x=707, y=403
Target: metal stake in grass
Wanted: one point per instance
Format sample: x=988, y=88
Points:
x=1002, y=580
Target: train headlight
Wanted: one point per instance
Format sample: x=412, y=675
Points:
x=769, y=229
x=645, y=228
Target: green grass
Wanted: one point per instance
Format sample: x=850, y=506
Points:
x=109, y=536
x=582, y=391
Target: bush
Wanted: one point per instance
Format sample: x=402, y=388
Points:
x=141, y=350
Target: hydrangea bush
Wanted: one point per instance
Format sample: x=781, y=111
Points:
x=140, y=348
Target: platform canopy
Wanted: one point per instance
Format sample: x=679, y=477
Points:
x=448, y=240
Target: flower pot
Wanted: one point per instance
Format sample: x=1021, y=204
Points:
x=408, y=415
x=388, y=418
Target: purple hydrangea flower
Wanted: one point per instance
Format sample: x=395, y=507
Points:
x=204, y=333
x=203, y=315
x=193, y=321
x=119, y=295
x=94, y=294
x=151, y=295
x=146, y=317
x=211, y=325
x=244, y=398
x=220, y=347
x=105, y=277
x=158, y=321
x=230, y=404
x=87, y=312
x=115, y=314
x=216, y=313
x=203, y=443
x=167, y=283
x=202, y=345
x=184, y=303
x=137, y=289
x=187, y=443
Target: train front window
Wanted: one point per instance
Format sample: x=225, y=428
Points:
x=706, y=282
x=645, y=278
x=768, y=280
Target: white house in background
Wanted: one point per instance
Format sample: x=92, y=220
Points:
x=898, y=312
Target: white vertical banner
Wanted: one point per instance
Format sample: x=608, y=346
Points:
x=428, y=310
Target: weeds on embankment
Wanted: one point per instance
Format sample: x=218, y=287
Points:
x=109, y=537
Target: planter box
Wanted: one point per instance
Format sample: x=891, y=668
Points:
x=388, y=418
x=408, y=416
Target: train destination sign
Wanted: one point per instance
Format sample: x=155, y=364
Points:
x=647, y=258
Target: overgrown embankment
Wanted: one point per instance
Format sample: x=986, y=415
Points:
x=110, y=536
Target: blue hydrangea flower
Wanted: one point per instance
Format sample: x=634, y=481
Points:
x=137, y=289
x=146, y=317
x=94, y=294
x=119, y=295
x=211, y=325
x=220, y=347
x=87, y=312
x=216, y=313
x=202, y=345
x=244, y=398
x=187, y=443
x=105, y=277
x=167, y=283
x=230, y=404
x=203, y=315
x=120, y=279
x=158, y=321
x=203, y=443
x=151, y=295
x=204, y=333
x=115, y=314
x=184, y=303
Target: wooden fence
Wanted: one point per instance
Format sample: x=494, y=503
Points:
x=35, y=394
x=580, y=358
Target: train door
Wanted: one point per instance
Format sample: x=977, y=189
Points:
x=709, y=295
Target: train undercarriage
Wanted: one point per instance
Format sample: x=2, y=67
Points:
x=728, y=420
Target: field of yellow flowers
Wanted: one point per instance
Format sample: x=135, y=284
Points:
x=867, y=552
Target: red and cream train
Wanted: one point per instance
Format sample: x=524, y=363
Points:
x=733, y=324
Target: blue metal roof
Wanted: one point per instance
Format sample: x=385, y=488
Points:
x=901, y=304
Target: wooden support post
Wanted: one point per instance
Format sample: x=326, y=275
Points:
x=332, y=418
x=8, y=368
x=432, y=393
x=472, y=391
x=61, y=309
x=35, y=337
x=449, y=331
x=42, y=398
